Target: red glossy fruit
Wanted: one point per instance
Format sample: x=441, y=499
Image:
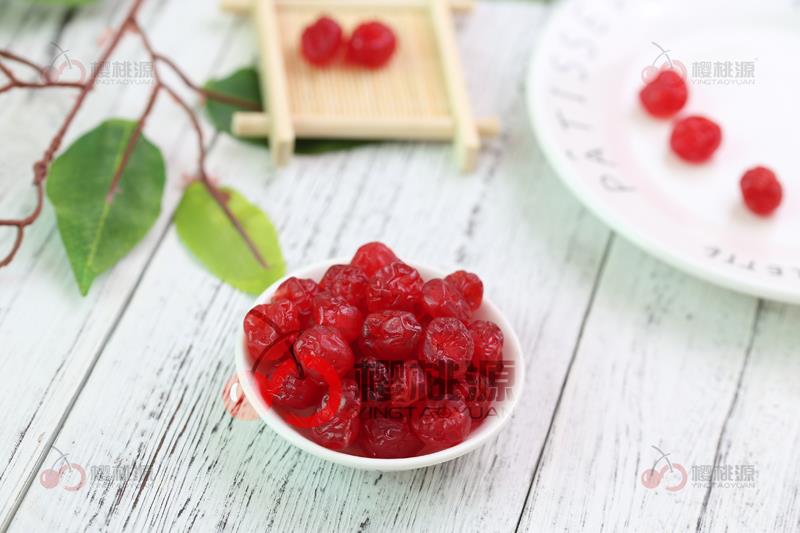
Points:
x=761, y=190
x=390, y=335
x=372, y=257
x=475, y=391
x=695, y=139
x=388, y=437
x=440, y=298
x=407, y=384
x=372, y=377
x=342, y=430
x=321, y=41
x=292, y=392
x=301, y=293
x=336, y=312
x=347, y=281
x=323, y=342
x=371, y=45
x=447, y=347
x=270, y=329
x=441, y=423
x=396, y=286
x=665, y=95
x=488, y=340
x=470, y=286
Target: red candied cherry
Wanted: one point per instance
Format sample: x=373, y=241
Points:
x=390, y=335
x=440, y=298
x=665, y=95
x=761, y=190
x=396, y=286
x=447, y=347
x=347, y=281
x=488, y=340
x=270, y=329
x=388, y=437
x=371, y=45
x=372, y=377
x=695, y=139
x=372, y=257
x=407, y=385
x=321, y=41
x=323, y=342
x=292, y=393
x=470, y=286
x=441, y=423
x=342, y=429
x=474, y=389
x=301, y=293
x=336, y=312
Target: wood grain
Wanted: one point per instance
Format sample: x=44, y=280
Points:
x=622, y=351
x=171, y=352
x=658, y=364
x=51, y=337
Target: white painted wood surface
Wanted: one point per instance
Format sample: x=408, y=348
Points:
x=623, y=352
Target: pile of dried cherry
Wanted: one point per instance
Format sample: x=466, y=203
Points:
x=372, y=360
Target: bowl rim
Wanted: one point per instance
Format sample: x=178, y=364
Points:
x=487, y=430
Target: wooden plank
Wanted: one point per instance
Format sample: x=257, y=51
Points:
x=273, y=81
x=658, y=365
x=253, y=124
x=761, y=434
x=243, y=7
x=209, y=472
x=467, y=141
x=50, y=335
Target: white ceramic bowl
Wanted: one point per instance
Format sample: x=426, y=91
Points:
x=487, y=430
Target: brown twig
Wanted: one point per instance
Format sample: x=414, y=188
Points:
x=21, y=60
x=41, y=167
x=212, y=189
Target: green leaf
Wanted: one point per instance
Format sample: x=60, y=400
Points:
x=244, y=84
x=98, y=231
x=207, y=232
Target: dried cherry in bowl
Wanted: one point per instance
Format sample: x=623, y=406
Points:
x=512, y=352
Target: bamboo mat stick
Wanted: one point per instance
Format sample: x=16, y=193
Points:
x=253, y=124
x=245, y=6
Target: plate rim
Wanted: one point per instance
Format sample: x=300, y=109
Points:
x=571, y=179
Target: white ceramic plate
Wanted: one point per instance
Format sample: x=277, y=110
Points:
x=512, y=351
x=741, y=61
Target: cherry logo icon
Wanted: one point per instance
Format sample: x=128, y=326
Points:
x=71, y=476
x=674, y=475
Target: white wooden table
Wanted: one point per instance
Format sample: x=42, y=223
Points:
x=623, y=352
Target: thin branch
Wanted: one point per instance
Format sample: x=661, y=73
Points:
x=213, y=190
x=19, y=59
x=41, y=167
x=126, y=155
x=16, y=84
x=211, y=95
